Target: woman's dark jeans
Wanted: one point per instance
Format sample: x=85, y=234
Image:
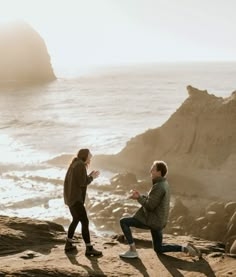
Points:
x=79, y=214
x=159, y=247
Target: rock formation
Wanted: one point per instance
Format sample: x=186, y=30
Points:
x=198, y=142
x=23, y=55
x=215, y=221
x=36, y=248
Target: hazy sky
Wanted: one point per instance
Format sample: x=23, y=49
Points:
x=84, y=33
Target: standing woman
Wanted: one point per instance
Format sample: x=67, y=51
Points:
x=75, y=187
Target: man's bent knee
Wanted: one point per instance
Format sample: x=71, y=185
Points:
x=124, y=220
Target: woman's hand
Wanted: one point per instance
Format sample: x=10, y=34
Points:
x=94, y=174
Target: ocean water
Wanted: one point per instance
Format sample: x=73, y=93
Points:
x=101, y=111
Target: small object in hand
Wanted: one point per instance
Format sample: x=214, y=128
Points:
x=133, y=194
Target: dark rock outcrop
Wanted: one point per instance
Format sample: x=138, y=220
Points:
x=19, y=234
x=23, y=55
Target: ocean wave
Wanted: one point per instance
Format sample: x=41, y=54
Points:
x=61, y=160
x=11, y=123
x=54, y=181
x=12, y=166
x=21, y=124
x=28, y=203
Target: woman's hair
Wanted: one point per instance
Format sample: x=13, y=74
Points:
x=83, y=154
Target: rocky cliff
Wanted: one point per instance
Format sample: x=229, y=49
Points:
x=198, y=142
x=23, y=55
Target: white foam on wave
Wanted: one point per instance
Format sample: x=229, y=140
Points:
x=15, y=152
x=20, y=191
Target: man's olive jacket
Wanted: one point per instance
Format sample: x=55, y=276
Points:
x=155, y=207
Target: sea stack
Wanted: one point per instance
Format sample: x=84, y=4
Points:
x=23, y=55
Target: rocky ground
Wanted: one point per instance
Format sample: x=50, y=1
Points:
x=201, y=217
x=36, y=248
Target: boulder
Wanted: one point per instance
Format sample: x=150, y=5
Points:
x=231, y=231
x=229, y=242
x=232, y=220
x=201, y=221
x=230, y=208
x=233, y=248
x=124, y=181
x=217, y=207
x=211, y=216
x=118, y=212
x=178, y=210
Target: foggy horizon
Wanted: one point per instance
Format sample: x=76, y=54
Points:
x=83, y=36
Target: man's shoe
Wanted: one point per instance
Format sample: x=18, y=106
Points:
x=129, y=254
x=69, y=247
x=193, y=251
x=91, y=251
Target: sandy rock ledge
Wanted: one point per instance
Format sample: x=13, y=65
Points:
x=36, y=248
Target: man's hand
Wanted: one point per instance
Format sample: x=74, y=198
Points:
x=94, y=174
x=134, y=194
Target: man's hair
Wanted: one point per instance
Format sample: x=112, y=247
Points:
x=161, y=166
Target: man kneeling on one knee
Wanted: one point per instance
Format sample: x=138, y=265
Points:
x=153, y=215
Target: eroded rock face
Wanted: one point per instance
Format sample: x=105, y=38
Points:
x=23, y=54
x=200, y=133
x=198, y=137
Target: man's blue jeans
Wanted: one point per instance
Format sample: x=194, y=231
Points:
x=159, y=247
